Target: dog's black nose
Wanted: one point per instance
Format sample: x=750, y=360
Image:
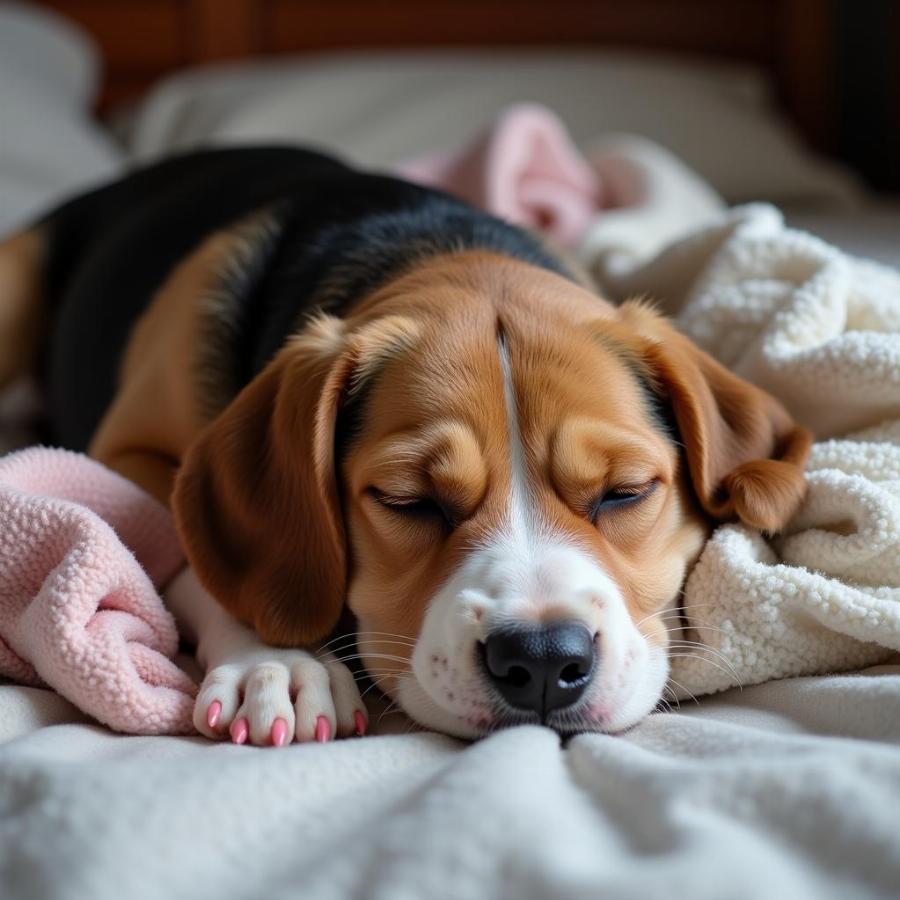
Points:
x=540, y=668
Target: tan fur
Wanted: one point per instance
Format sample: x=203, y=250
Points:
x=256, y=499
x=744, y=451
x=168, y=387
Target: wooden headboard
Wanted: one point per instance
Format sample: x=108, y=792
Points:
x=796, y=42
x=145, y=39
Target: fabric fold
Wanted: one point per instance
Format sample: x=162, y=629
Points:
x=83, y=553
x=820, y=330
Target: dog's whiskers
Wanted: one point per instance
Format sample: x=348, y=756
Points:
x=376, y=684
x=372, y=655
x=668, y=708
x=360, y=650
x=731, y=673
x=394, y=707
x=675, y=700
x=686, y=691
x=672, y=629
x=679, y=612
x=356, y=635
x=712, y=651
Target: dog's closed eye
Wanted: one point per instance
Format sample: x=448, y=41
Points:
x=415, y=506
x=616, y=498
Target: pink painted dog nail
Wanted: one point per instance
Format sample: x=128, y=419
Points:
x=213, y=713
x=323, y=730
x=239, y=731
x=279, y=732
x=360, y=721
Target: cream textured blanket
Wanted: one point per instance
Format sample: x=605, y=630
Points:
x=821, y=331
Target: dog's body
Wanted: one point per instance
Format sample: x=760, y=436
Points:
x=463, y=445
x=295, y=232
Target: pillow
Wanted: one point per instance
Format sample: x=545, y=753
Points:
x=377, y=109
x=49, y=146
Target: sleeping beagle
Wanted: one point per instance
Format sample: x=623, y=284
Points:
x=363, y=396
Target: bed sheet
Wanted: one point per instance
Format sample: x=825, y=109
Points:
x=788, y=789
x=377, y=109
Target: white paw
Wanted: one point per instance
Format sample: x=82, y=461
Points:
x=268, y=696
x=256, y=693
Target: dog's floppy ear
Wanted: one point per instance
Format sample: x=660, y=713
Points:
x=256, y=499
x=745, y=454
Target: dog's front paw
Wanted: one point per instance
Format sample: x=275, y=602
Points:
x=269, y=696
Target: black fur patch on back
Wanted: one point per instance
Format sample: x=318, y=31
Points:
x=345, y=262
x=341, y=234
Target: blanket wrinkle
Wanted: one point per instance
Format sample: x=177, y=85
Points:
x=820, y=330
x=82, y=553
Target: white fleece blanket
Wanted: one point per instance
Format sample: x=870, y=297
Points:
x=821, y=331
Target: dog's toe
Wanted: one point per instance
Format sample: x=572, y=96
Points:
x=350, y=711
x=217, y=702
x=314, y=708
x=267, y=701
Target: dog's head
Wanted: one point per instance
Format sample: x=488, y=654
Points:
x=503, y=477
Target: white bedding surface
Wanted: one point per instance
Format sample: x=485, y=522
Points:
x=786, y=790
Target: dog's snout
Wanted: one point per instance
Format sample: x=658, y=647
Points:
x=540, y=668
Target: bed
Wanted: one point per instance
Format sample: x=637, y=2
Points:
x=784, y=789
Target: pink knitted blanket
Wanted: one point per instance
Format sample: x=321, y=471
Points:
x=82, y=554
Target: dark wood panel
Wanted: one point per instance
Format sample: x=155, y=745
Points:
x=134, y=35
x=738, y=28
x=805, y=68
x=225, y=29
x=143, y=40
